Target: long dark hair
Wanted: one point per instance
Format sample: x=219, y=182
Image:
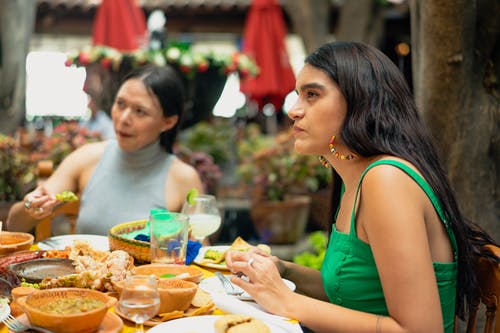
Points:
x=382, y=118
x=166, y=85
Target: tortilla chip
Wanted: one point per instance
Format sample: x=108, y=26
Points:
x=169, y=315
x=240, y=244
x=201, y=298
x=198, y=311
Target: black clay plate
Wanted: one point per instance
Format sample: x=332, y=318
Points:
x=34, y=271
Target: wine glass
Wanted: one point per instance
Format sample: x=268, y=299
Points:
x=139, y=299
x=204, y=216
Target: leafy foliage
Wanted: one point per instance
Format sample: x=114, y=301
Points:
x=15, y=170
x=273, y=166
x=183, y=58
x=314, y=260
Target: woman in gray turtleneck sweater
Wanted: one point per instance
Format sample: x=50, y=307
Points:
x=121, y=180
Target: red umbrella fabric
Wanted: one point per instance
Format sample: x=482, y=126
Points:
x=264, y=39
x=120, y=24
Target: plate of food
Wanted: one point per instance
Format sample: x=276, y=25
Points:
x=212, y=256
x=34, y=271
x=215, y=256
x=98, y=242
x=215, y=324
x=213, y=285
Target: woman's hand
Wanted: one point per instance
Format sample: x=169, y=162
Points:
x=254, y=249
x=264, y=281
x=39, y=203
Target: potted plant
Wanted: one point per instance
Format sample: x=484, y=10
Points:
x=282, y=180
x=16, y=174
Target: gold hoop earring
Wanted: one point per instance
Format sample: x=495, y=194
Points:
x=338, y=155
x=323, y=161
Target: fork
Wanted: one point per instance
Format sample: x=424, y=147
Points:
x=228, y=286
x=16, y=326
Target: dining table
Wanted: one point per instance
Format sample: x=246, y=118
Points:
x=129, y=327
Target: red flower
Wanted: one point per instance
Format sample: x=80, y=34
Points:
x=106, y=62
x=84, y=58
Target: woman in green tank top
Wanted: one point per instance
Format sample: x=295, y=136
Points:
x=399, y=246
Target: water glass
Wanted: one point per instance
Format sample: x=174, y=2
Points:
x=204, y=216
x=139, y=299
x=168, y=237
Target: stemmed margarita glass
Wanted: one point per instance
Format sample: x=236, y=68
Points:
x=139, y=299
x=204, y=216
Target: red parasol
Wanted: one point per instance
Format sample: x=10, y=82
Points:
x=120, y=24
x=264, y=40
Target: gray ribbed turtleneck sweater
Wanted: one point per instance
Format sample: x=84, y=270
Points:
x=123, y=188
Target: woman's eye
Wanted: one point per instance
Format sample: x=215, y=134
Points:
x=140, y=112
x=311, y=94
x=120, y=104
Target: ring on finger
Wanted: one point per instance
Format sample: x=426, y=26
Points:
x=250, y=261
x=27, y=204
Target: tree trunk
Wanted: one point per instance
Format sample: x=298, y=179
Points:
x=16, y=25
x=361, y=21
x=310, y=20
x=456, y=67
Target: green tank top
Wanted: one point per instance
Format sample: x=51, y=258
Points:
x=349, y=271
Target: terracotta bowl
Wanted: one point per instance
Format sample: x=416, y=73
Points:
x=15, y=241
x=182, y=272
x=175, y=294
x=80, y=322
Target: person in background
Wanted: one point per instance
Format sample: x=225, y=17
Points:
x=121, y=180
x=99, y=120
x=400, y=253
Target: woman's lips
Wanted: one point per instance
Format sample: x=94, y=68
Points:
x=123, y=134
x=297, y=130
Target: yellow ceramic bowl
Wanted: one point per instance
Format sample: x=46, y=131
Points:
x=79, y=322
x=182, y=272
x=175, y=294
x=15, y=241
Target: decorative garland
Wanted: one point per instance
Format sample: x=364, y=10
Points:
x=187, y=61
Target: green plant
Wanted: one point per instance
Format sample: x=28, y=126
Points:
x=213, y=138
x=314, y=260
x=275, y=169
x=16, y=172
x=65, y=138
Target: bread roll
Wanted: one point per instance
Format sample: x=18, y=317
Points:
x=240, y=324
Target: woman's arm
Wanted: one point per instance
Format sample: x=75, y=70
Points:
x=391, y=214
x=70, y=175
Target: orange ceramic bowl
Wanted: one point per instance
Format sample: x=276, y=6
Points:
x=78, y=322
x=15, y=241
x=175, y=294
x=182, y=272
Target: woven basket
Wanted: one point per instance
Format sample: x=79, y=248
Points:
x=140, y=250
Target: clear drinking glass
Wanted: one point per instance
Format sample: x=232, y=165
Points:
x=204, y=216
x=139, y=299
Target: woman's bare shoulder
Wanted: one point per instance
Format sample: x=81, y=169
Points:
x=89, y=153
x=183, y=171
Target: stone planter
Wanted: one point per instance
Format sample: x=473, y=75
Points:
x=281, y=222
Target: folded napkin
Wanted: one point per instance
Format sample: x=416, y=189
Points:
x=230, y=304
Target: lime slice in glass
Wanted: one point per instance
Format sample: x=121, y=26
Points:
x=192, y=194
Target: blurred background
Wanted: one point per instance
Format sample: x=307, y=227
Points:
x=238, y=59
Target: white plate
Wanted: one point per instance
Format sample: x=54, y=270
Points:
x=200, y=261
x=97, y=242
x=197, y=324
x=213, y=284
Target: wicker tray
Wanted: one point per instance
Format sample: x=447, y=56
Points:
x=120, y=239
